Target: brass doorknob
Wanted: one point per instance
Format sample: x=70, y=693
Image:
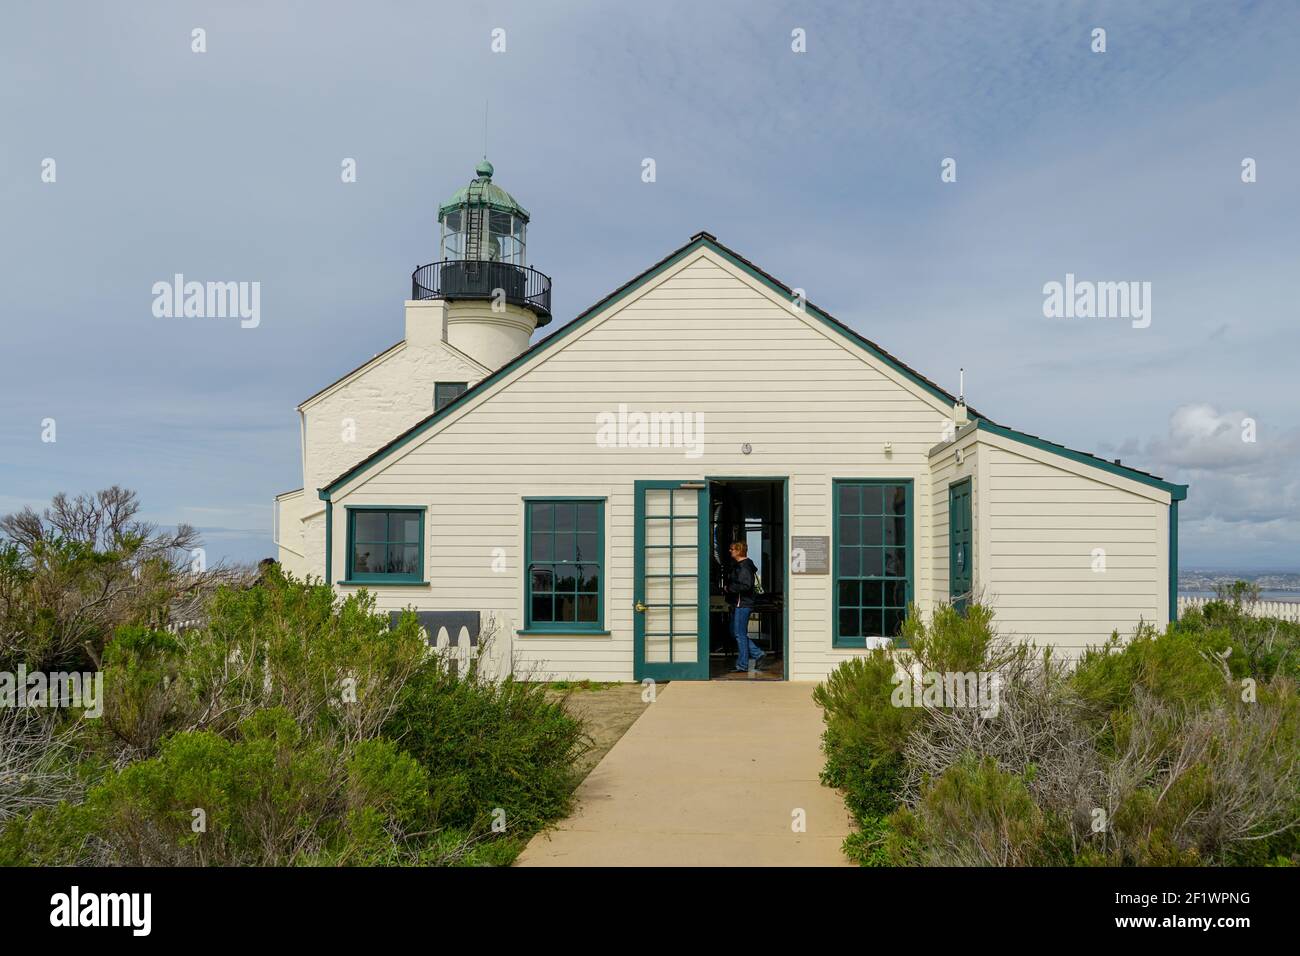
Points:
x=640, y=607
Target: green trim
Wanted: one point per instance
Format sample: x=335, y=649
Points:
x=364, y=578
x=672, y=670
x=553, y=628
x=329, y=538
x=373, y=583
x=572, y=631
x=1173, y=561
x=614, y=298
x=954, y=489
x=1176, y=492
x=909, y=596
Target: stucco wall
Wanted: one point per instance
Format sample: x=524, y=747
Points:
x=348, y=423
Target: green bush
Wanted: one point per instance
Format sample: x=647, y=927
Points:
x=489, y=746
x=308, y=732
x=973, y=815
x=1183, y=749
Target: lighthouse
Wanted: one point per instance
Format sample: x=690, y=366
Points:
x=493, y=300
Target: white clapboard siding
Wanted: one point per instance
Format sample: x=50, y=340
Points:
x=1043, y=524
x=704, y=338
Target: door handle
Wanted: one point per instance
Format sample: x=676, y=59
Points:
x=641, y=608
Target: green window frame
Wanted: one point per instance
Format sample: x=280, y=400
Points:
x=444, y=393
x=385, y=544
x=564, y=565
x=873, y=558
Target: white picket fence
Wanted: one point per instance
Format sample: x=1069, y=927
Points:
x=1286, y=610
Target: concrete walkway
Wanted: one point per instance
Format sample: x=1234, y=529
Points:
x=710, y=775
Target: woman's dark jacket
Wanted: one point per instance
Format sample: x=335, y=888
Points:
x=740, y=583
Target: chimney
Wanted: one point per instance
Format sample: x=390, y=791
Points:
x=426, y=322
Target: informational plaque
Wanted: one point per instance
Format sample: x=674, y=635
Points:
x=810, y=554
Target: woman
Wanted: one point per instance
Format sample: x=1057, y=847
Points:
x=739, y=588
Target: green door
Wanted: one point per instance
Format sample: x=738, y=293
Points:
x=670, y=610
x=960, y=535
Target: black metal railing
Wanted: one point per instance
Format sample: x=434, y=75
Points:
x=479, y=279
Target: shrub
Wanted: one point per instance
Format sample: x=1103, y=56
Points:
x=1153, y=751
x=489, y=745
x=973, y=815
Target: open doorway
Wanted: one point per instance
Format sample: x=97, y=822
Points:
x=754, y=511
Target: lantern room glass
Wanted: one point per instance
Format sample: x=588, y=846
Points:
x=504, y=238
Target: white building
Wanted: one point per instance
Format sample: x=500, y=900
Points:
x=582, y=488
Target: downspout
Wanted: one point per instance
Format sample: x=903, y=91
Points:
x=1173, y=560
x=329, y=535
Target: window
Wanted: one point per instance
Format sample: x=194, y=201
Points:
x=386, y=545
x=873, y=559
x=564, y=566
x=444, y=393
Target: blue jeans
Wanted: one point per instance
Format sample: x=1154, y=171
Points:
x=740, y=631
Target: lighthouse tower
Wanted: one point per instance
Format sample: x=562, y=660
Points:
x=493, y=300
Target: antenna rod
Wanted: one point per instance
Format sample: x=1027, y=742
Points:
x=961, y=387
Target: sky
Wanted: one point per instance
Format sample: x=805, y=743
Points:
x=824, y=167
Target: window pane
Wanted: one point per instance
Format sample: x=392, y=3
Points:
x=850, y=499
x=895, y=562
x=541, y=515
x=896, y=531
x=588, y=547
x=588, y=608
x=542, y=612
x=588, y=577
x=404, y=559
x=872, y=500
x=543, y=579
x=893, y=623
x=871, y=531
x=849, y=622
x=404, y=526
x=566, y=607
x=565, y=516
x=850, y=530
x=542, y=548
x=849, y=594
x=897, y=499
x=873, y=593
x=565, y=578
x=896, y=593
x=589, y=516
x=368, y=558
x=872, y=623
x=370, y=526
x=850, y=562
x=566, y=547
x=873, y=562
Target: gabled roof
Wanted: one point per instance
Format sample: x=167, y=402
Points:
x=707, y=240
